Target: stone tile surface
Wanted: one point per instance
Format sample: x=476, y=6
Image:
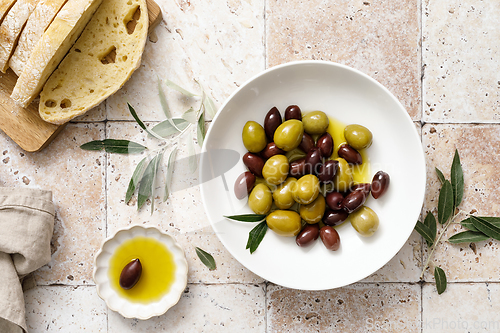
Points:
x=460, y=56
x=380, y=38
x=182, y=215
x=463, y=307
x=386, y=307
x=205, y=308
x=219, y=43
x=96, y=114
x=479, y=150
x=65, y=309
x=76, y=178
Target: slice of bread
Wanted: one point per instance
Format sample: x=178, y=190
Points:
x=101, y=61
x=5, y=5
x=11, y=27
x=51, y=48
x=36, y=25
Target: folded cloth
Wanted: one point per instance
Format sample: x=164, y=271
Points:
x=26, y=226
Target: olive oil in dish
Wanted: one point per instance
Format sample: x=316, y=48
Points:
x=360, y=173
x=158, y=269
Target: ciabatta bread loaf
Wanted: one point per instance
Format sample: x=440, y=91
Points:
x=101, y=61
x=5, y=5
x=52, y=47
x=11, y=27
x=37, y=23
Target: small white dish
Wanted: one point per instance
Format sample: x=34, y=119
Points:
x=120, y=304
x=351, y=97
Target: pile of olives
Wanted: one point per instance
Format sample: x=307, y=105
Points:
x=293, y=179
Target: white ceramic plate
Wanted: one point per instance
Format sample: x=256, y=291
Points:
x=123, y=306
x=351, y=97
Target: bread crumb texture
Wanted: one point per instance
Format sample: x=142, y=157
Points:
x=44, y=13
x=101, y=61
x=51, y=48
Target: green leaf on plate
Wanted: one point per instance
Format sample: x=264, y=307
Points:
x=256, y=236
x=114, y=146
x=170, y=169
x=467, y=237
x=440, y=278
x=206, y=258
x=426, y=232
x=440, y=175
x=457, y=179
x=445, y=202
x=166, y=128
x=136, y=177
x=247, y=217
x=486, y=227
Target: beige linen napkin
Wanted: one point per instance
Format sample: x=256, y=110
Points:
x=26, y=226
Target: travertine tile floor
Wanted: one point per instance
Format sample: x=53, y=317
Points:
x=440, y=58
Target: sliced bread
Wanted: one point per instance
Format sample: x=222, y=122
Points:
x=52, y=47
x=36, y=25
x=101, y=61
x=11, y=27
x=5, y=5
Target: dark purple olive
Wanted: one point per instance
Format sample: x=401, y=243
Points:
x=334, y=217
x=327, y=171
x=244, y=184
x=271, y=122
x=330, y=238
x=271, y=150
x=325, y=145
x=131, y=274
x=350, y=154
x=293, y=112
x=380, y=184
x=334, y=200
x=298, y=168
x=354, y=200
x=313, y=161
x=307, y=143
x=365, y=187
x=308, y=235
x=254, y=163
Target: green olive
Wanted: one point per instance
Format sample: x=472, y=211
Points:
x=313, y=213
x=288, y=135
x=365, y=221
x=357, y=136
x=260, y=199
x=284, y=222
x=254, y=137
x=275, y=169
x=306, y=189
x=282, y=196
x=295, y=154
x=343, y=178
x=315, y=122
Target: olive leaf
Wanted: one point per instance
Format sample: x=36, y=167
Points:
x=440, y=175
x=176, y=87
x=146, y=182
x=141, y=124
x=136, y=177
x=425, y=231
x=445, y=202
x=247, y=217
x=193, y=158
x=467, y=223
x=467, y=237
x=163, y=100
x=486, y=227
x=170, y=167
x=200, y=130
x=430, y=222
x=155, y=173
x=209, y=105
x=440, y=278
x=457, y=179
x=114, y=146
x=190, y=115
x=256, y=236
x=206, y=258
x=167, y=128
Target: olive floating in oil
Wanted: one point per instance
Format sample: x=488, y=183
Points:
x=131, y=274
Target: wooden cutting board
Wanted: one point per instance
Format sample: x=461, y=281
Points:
x=24, y=125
